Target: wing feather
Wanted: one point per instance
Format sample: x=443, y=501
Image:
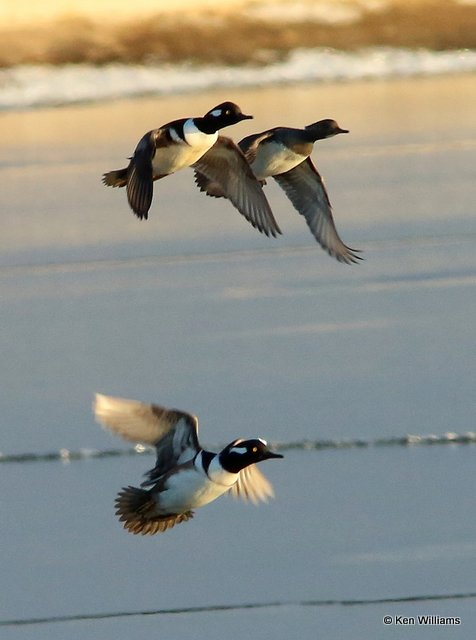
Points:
x=226, y=167
x=140, y=184
x=305, y=189
x=173, y=433
x=252, y=486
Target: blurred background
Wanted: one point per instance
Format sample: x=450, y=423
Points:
x=225, y=31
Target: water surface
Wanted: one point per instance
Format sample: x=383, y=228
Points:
x=195, y=309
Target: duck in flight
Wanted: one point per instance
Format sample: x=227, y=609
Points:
x=185, y=475
x=284, y=154
x=194, y=142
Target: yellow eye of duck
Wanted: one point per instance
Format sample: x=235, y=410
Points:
x=255, y=449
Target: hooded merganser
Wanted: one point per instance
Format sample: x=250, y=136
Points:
x=185, y=475
x=284, y=154
x=195, y=142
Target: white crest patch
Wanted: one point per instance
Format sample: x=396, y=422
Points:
x=216, y=112
x=240, y=450
x=263, y=441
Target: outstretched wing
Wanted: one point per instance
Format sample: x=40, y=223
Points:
x=306, y=190
x=226, y=166
x=174, y=434
x=140, y=184
x=252, y=486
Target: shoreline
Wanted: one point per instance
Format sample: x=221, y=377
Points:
x=237, y=33
x=32, y=87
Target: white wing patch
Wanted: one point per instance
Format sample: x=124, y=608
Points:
x=174, y=135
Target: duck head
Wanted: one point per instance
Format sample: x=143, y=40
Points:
x=241, y=453
x=325, y=129
x=223, y=115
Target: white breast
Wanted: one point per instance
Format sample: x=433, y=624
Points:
x=192, y=488
x=180, y=154
x=196, y=138
x=273, y=158
x=218, y=474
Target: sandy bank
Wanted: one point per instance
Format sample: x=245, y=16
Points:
x=224, y=32
x=20, y=12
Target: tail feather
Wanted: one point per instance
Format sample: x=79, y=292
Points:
x=117, y=178
x=137, y=510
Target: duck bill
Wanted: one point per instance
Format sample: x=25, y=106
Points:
x=271, y=454
x=339, y=130
x=243, y=116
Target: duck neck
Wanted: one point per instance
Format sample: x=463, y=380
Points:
x=205, y=125
x=220, y=474
x=314, y=132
